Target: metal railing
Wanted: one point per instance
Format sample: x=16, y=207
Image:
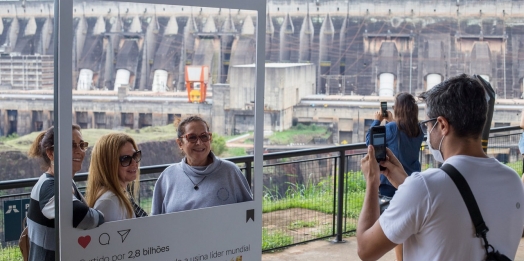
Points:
x=307, y=194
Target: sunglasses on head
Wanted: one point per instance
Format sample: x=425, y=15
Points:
x=193, y=138
x=126, y=159
x=82, y=145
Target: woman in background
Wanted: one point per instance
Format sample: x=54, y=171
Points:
x=41, y=212
x=404, y=138
x=114, y=167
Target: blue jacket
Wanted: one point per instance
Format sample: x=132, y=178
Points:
x=407, y=149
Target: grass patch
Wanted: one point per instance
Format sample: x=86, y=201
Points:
x=318, y=197
x=275, y=239
x=325, y=230
x=156, y=133
x=299, y=134
x=301, y=223
x=10, y=253
x=516, y=166
x=234, y=152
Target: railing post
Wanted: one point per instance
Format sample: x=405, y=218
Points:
x=340, y=195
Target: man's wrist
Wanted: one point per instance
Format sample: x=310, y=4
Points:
x=372, y=185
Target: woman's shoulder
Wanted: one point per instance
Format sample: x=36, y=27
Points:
x=226, y=164
x=170, y=170
x=108, y=195
x=172, y=167
x=391, y=124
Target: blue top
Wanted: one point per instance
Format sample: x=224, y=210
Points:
x=407, y=150
x=521, y=144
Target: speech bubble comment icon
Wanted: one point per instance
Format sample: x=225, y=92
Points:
x=103, y=239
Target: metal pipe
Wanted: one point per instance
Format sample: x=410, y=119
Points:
x=340, y=195
x=410, y=67
x=504, y=65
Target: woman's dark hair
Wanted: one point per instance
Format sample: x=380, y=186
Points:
x=406, y=114
x=43, y=142
x=182, y=125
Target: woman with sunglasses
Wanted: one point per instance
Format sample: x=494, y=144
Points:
x=41, y=212
x=404, y=137
x=201, y=179
x=114, y=167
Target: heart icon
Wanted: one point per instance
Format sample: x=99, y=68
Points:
x=84, y=241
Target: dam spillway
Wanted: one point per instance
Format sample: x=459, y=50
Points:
x=410, y=45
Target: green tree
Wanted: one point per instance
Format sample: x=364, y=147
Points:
x=218, y=145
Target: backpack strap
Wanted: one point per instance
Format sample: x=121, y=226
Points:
x=474, y=212
x=465, y=191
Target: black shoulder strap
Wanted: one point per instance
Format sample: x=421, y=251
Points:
x=480, y=227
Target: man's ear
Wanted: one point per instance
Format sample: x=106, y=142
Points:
x=179, y=142
x=444, y=125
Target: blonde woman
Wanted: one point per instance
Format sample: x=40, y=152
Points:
x=114, y=167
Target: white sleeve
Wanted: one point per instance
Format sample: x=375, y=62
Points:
x=407, y=210
x=111, y=209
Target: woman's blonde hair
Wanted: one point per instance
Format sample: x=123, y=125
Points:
x=103, y=171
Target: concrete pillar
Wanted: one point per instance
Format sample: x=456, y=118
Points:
x=46, y=120
x=136, y=117
x=91, y=119
x=122, y=93
x=3, y=122
x=85, y=80
x=220, y=103
x=432, y=80
x=122, y=78
x=485, y=77
x=386, y=87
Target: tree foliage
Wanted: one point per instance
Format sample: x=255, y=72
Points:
x=218, y=145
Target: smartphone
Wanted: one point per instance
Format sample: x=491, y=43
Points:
x=378, y=140
x=384, y=108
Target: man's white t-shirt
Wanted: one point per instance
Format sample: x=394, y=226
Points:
x=430, y=217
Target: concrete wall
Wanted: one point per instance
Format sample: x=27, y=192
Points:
x=285, y=85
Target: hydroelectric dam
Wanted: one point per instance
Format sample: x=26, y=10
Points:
x=327, y=62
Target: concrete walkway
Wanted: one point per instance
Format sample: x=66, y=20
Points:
x=325, y=250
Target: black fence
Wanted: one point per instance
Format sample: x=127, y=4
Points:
x=307, y=194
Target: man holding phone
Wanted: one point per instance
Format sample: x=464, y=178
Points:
x=428, y=214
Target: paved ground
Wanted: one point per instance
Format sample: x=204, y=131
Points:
x=325, y=250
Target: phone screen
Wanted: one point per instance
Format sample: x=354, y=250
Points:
x=379, y=143
x=384, y=108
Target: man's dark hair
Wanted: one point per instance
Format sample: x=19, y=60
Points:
x=462, y=101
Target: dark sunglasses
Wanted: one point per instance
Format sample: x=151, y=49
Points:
x=82, y=145
x=424, y=125
x=126, y=159
x=193, y=138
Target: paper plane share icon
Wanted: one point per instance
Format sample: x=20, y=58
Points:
x=123, y=234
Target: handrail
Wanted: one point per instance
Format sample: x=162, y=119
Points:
x=29, y=182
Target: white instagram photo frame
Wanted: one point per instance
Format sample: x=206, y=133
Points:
x=229, y=232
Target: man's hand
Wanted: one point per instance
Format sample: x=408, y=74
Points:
x=394, y=170
x=370, y=169
x=371, y=240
